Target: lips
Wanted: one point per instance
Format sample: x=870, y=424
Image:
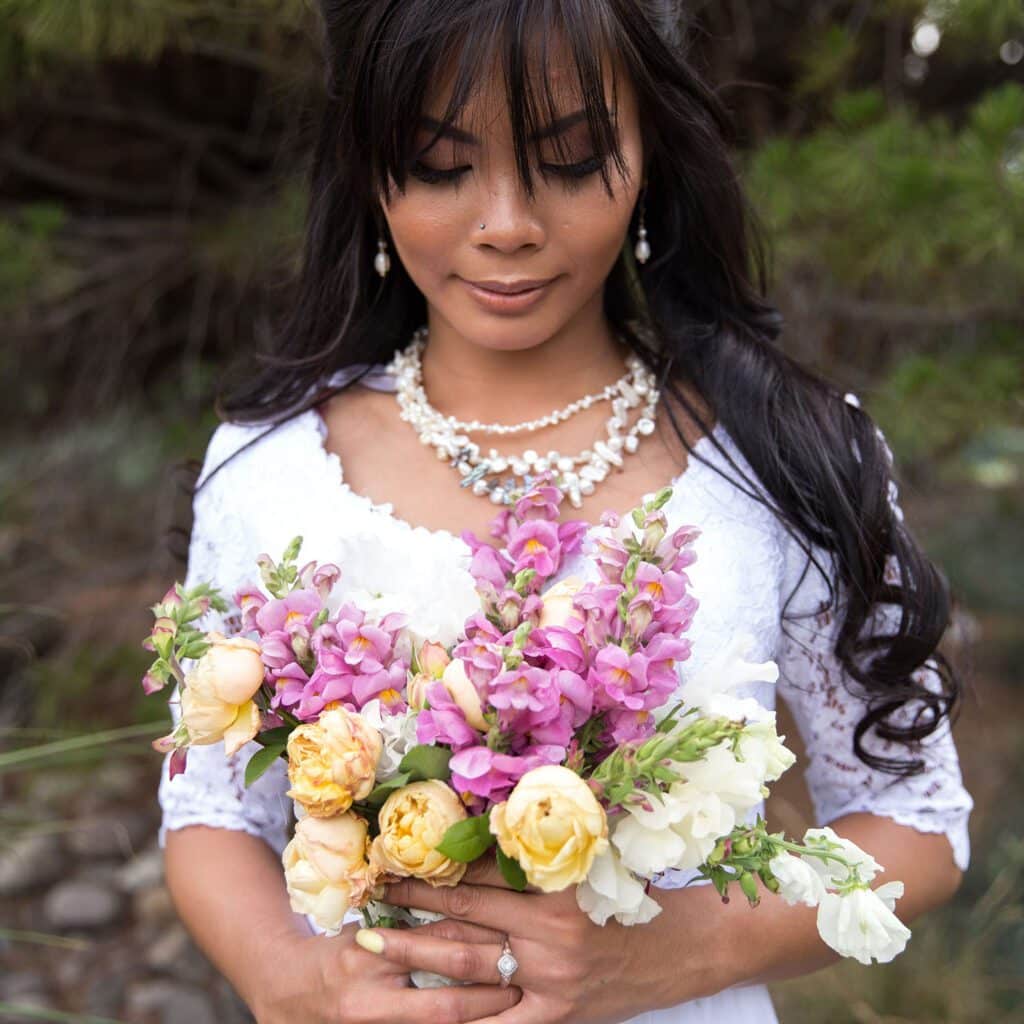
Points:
x=512, y=287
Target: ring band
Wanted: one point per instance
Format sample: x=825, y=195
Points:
x=507, y=964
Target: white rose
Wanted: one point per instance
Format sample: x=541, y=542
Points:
x=798, y=881
x=557, y=602
x=611, y=890
x=832, y=872
x=861, y=924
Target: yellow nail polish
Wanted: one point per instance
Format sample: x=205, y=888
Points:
x=372, y=942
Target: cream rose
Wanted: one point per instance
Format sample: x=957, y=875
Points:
x=412, y=823
x=231, y=670
x=332, y=762
x=465, y=694
x=553, y=825
x=326, y=868
x=216, y=701
x=557, y=602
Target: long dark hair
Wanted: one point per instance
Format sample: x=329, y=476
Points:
x=820, y=459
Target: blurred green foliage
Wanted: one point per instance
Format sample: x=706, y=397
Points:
x=881, y=200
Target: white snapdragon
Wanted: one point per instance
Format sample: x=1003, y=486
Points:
x=610, y=890
x=832, y=872
x=760, y=744
x=646, y=838
x=397, y=733
x=798, y=881
x=711, y=688
x=737, y=783
x=861, y=924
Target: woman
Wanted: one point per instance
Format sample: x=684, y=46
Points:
x=544, y=187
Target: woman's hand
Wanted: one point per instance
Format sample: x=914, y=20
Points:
x=569, y=968
x=321, y=980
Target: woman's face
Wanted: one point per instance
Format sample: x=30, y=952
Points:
x=565, y=240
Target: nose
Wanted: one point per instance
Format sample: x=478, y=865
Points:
x=508, y=219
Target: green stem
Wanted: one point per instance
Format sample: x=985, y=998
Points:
x=16, y=758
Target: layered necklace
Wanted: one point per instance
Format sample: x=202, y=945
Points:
x=504, y=478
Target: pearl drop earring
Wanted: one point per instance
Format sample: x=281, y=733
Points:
x=382, y=262
x=642, y=250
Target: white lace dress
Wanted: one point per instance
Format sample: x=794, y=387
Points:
x=286, y=483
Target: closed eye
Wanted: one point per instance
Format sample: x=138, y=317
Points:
x=447, y=175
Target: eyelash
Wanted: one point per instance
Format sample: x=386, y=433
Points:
x=572, y=173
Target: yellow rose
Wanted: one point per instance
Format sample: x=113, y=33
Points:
x=464, y=693
x=332, y=762
x=326, y=869
x=553, y=825
x=413, y=822
x=557, y=602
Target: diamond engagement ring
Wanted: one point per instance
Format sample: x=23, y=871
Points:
x=507, y=964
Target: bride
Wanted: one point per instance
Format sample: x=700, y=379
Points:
x=523, y=215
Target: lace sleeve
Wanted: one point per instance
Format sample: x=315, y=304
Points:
x=823, y=699
x=212, y=791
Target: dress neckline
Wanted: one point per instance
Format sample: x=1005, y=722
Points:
x=379, y=379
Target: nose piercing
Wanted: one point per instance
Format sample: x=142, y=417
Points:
x=482, y=227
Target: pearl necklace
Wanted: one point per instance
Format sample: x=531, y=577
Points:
x=577, y=476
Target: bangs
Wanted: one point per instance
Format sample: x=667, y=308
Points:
x=422, y=48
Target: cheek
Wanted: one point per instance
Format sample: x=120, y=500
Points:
x=424, y=231
x=591, y=232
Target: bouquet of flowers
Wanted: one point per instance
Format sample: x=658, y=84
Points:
x=554, y=730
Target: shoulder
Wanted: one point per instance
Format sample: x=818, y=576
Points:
x=240, y=451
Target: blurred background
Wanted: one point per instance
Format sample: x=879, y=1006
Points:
x=152, y=157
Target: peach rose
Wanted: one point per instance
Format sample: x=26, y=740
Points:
x=326, y=868
x=412, y=823
x=332, y=762
x=216, y=701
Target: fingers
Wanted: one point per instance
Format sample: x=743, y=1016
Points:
x=462, y=1003
x=485, y=871
x=502, y=910
x=412, y=950
x=461, y=931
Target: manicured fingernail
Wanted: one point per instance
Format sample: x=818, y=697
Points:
x=370, y=941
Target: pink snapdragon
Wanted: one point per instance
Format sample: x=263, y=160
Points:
x=443, y=721
x=619, y=679
x=534, y=545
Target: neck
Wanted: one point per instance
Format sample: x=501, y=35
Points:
x=470, y=381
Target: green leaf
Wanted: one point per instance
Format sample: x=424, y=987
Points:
x=380, y=793
x=274, y=737
x=511, y=871
x=426, y=762
x=261, y=761
x=466, y=840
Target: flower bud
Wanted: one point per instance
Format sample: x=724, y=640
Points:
x=749, y=886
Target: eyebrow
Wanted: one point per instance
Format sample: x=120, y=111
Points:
x=556, y=127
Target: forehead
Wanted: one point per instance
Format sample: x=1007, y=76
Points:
x=549, y=78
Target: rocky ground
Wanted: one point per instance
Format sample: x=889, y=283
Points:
x=95, y=880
